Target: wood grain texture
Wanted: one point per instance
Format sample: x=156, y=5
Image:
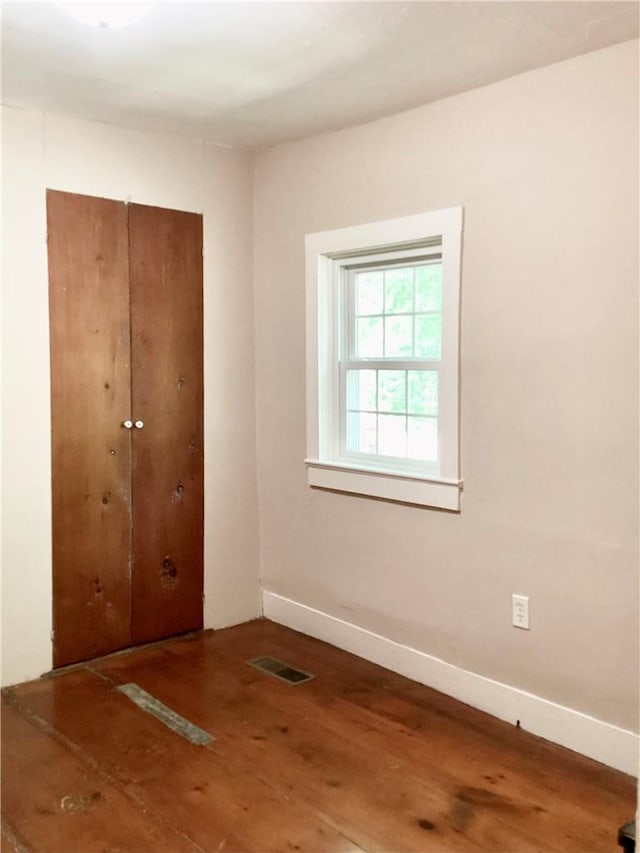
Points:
x=71, y=806
x=126, y=342
x=214, y=802
x=90, y=397
x=357, y=759
x=167, y=395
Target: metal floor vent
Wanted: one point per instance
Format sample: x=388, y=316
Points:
x=275, y=667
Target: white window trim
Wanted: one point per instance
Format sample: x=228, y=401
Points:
x=401, y=237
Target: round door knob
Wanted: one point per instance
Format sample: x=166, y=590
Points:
x=139, y=424
x=127, y=424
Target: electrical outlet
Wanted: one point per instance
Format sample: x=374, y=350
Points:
x=520, y=611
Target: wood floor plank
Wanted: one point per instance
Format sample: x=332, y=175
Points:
x=9, y=840
x=563, y=785
x=341, y=766
x=56, y=802
x=356, y=759
x=422, y=709
x=535, y=787
x=219, y=804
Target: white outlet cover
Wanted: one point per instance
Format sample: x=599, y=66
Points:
x=520, y=611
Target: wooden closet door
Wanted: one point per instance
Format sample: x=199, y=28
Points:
x=90, y=398
x=165, y=267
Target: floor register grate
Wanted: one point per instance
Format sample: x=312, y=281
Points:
x=275, y=667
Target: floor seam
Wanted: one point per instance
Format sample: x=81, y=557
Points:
x=128, y=791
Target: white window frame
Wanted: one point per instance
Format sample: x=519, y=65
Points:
x=329, y=257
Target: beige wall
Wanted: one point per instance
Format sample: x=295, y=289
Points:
x=546, y=166
x=46, y=151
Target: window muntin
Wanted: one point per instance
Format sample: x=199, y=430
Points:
x=390, y=329
x=397, y=311
x=392, y=413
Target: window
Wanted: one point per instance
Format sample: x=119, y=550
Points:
x=382, y=359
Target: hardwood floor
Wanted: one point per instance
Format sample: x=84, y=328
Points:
x=356, y=759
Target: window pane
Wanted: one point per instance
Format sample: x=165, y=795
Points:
x=429, y=287
x=392, y=395
x=423, y=392
x=369, y=292
x=369, y=337
x=392, y=435
x=429, y=336
x=423, y=438
x=361, y=432
x=398, y=287
x=361, y=389
x=398, y=333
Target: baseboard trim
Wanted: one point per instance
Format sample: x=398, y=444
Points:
x=587, y=735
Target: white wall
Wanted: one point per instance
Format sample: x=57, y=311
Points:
x=546, y=166
x=42, y=151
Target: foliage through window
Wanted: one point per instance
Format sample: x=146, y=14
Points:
x=389, y=377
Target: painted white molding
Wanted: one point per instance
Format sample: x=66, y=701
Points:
x=330, y=257
x=587, y=735
x=383, y=484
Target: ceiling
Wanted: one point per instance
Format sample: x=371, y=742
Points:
x=256, y=74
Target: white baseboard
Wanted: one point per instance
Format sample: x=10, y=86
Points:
x=594, y=738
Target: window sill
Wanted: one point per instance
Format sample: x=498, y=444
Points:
x=405, y=488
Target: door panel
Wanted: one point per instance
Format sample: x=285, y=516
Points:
x=165, y=267
x=90, y=397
